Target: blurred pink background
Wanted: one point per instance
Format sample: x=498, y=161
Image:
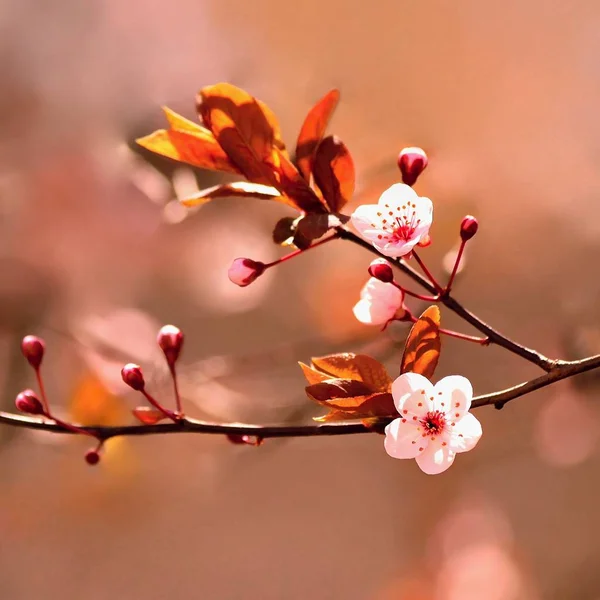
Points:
x=95, y=255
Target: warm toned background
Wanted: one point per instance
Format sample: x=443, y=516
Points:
x=503, y=95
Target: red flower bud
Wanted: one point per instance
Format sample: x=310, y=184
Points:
x=33, y=349
x=381, y=269
x=170, y=340
x=92, y=457
x=412, y=162
x=243, y=271
x=468, y=228
x=133, y=377
x=27, y=402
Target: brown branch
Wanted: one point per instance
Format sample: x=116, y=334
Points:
x=561, y=370
x=450, y=302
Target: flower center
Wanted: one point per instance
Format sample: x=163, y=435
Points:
x=434, y=423
x=399, y=228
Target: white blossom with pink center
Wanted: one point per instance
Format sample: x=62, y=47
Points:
x=397, y=223
x=434, y=424
x=379, y=303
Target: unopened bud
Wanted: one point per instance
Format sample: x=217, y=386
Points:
x=92, y=457
x=412, y=162
x=468, y=228
x=243, y=271
x=170, y=340
x=27, y=402
x=248, y=440
x=381, y=269
x=133, y=377
x=33, y=349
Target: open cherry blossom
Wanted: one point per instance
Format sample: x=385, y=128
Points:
x=379, y=302
x=435, y=423
x=397, y=223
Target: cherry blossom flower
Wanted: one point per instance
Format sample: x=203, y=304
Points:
x=397, y=223
x=379, y=303
x=435, y=423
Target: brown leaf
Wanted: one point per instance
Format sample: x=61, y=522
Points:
x=312, y=131
x=359, y=367
x=243, y=189
x=241, y=128
x=148, y=415
x=331, y=389
x=333, y=171
x=315, y=225
x=422, y=349
x=283, y=232
x=247, y=136
x=295, y=186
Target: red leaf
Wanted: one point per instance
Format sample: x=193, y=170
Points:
x=312, y=131
x=148, y=415
x=333, y=171
x=422, y=349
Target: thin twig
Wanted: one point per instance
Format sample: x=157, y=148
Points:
x=562, y=370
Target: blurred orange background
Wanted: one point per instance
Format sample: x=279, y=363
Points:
x=95, y=255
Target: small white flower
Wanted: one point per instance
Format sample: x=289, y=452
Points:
x=398, y=223
x=379, y=302
x=435, y=423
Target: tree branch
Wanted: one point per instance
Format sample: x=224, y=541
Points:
x=447, y=300
x=561, y=370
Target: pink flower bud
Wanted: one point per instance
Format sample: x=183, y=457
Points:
x=92, y=457
x=27, y=402
x=248, y=440
x=33, y=350
x=170, y=340
x=468, y=228
x=243, y=271
x=133, y=377
x=412, y=162
x=381, y=269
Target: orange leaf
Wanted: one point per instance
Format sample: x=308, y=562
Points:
x=312, y=375
x=359, y=367
x=242, y=189
x=199, y=149
x=274, y=122
x=148, y=415
x=422, y=349
x=312, y=131
x=333, y=171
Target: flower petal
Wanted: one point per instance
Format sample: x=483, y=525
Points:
x=397, y=195
x=435, y=458
x=395, y=249
x=412, y=393
x=372, y=312
x=367, y=221
x=403, y=439
x=453, y=396
x=465, y=434
x=374, y=288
